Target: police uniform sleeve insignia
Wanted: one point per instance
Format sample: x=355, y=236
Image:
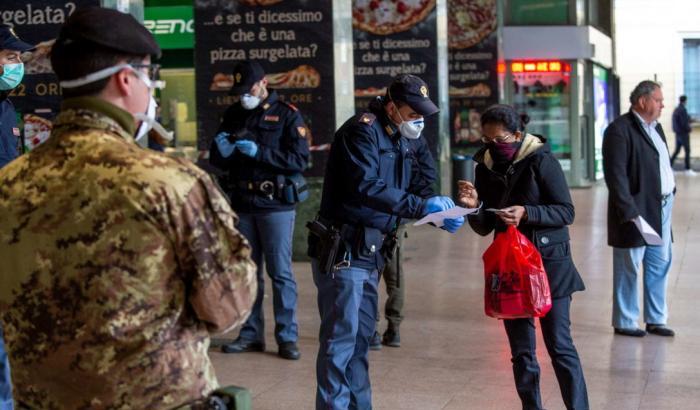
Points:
x=302, y=131
x=368, y=118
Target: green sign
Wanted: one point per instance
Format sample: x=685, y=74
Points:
x=173, y=27
x=538, y=12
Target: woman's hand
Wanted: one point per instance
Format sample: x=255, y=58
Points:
x=467, y=194
x=512, y=215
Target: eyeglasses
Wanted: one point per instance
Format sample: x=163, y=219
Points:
x=153, y=70
x=500, y=138
x=149, y=79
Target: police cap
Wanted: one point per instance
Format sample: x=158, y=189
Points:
x=10, y=41
x=110, y=29
x=413, y=91
x=245, y=74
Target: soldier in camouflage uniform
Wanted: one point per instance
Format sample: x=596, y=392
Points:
x=118, y=262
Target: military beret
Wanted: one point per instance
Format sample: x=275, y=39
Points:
x=109, y=28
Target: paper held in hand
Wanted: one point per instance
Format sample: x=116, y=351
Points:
x=438, y=218
x=651, y=237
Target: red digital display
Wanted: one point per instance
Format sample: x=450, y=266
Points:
x=539, y=67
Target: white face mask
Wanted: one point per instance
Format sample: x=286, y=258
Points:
x=249, y=101
x=148, y=119
x=411, y=129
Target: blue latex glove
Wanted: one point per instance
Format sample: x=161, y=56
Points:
x=452, y=225
x=224, y=145
x=247, y=147
x=437, y=204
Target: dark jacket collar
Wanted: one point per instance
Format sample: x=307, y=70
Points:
x=272, y=98
x=376, y=106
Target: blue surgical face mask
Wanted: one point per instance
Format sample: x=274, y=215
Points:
x=12, y=75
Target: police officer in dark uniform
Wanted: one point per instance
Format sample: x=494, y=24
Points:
x=261, y=145
x=367, y=190
x=423, y=178
x=11, y=74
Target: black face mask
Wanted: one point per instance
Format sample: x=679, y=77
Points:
x=503, y=152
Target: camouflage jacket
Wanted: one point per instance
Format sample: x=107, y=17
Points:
x=117, y=263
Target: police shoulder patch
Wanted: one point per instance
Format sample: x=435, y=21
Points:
x=367, y=118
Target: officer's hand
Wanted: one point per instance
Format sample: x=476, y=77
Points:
x=437, y=204
x=467, y=194
x=452, y=225
x=224, y=145
x=247, y=147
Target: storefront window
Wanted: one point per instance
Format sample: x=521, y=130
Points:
x=177, y=108
x=542, y=90
x=691, y=75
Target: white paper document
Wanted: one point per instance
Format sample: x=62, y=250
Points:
x=438, y=218
x=651, y=237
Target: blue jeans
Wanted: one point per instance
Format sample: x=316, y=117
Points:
x=567, y=365
x=347, y=303
x=5, y=384
x=270, y=236
x=657, y=262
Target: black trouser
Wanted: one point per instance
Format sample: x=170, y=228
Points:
x=682, y=141
x=395, y=287
x=567, y=366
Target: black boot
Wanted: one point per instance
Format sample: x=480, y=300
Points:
x=289, y=351
x=241, y=346
x=391, y=337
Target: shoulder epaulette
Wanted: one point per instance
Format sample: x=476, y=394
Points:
x=290, y=105
x=367, y=118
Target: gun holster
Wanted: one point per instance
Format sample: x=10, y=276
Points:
x=390, y=245
x=324, y=243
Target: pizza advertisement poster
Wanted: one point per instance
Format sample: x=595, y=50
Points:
x=38, y=22
x=293, y=42
x=472, y=66
x=390, y=38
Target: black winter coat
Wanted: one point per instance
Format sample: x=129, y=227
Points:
x=536, y=181
x=631, y=167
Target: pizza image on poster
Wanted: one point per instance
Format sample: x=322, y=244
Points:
x=389, y=16
x=470, y=21
x=37, y=60
x=303, y=76
x=36, y=131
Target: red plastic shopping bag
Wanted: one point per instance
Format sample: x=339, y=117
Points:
x=516, y=284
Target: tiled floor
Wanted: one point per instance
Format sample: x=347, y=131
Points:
x=454, y=357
